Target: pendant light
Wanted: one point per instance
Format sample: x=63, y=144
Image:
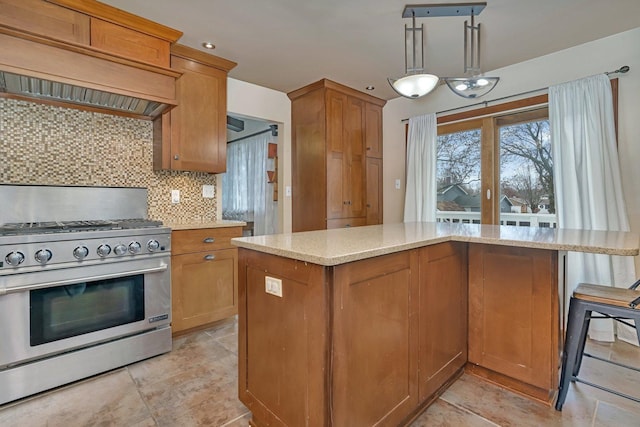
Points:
x=475, y=84
x=415, y=83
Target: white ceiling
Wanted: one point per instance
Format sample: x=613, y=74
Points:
x=287, y=44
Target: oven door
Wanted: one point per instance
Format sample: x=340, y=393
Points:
x=84, y=306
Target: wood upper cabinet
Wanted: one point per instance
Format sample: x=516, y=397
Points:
x=373, y=132
x=333, y=127
x=345, y=156
x=129, y=43
x=514, y=316
x=46, y=19
x=374, y=191
x=94, y=24
x=193, y=135
x=204, y=277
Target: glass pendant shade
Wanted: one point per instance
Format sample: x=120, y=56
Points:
x=471, y=87
x=474, y=84
x=414, y=85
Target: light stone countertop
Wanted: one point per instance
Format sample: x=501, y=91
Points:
x=205, y=224
x=339, y=246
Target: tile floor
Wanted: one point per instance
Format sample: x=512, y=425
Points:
x=196, y=385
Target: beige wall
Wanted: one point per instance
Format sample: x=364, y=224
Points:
x=254, y=101
x=595, y=57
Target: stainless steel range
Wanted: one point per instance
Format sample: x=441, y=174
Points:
x=84, y=284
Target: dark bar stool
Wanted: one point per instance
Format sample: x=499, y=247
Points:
x=614, y=303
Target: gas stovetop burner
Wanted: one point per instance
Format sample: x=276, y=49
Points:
x=18, y=228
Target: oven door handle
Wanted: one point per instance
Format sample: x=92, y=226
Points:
x=83, y=279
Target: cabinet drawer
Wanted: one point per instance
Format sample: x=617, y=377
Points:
x=129, y=43
x=46, y=19
x=346, y=222
x=205, y=239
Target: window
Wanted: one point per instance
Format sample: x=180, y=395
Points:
x=526, y=169
x=458, y=172
x=496, y=170
x=503, y=149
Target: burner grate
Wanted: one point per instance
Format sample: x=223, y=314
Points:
x=75, y=226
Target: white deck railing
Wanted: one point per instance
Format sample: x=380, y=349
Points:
x=520, y=219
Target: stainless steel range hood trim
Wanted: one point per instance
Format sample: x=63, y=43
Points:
x=38, y=69
x=52, y=92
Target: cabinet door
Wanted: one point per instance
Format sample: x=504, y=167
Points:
x=354, y=165
x=375, y=348
x=346, y=179
x=374, y=191
x=46, y=19
x=204, y=287
x=337, y=199
x=129, y=43
x=373, y=130
x=513, y=313
x=443, y=314
x=198, y=123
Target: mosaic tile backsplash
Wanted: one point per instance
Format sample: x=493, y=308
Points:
x=42, y=144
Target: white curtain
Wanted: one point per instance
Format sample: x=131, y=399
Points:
x=421, y=189
x=587, y=181
x=246, y=193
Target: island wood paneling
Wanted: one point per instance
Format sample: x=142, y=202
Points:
x=342, y=345
x=283, y=343
x=443, y=314
x=375, y=345
x=514, y=316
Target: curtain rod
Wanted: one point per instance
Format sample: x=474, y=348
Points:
x=622, y=70
x=252, y=135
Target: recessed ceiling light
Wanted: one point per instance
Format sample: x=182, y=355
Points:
x=208, y=45
x=370, y=88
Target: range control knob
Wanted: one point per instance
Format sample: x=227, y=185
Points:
x=43, y=255
x=153, y=245
x=120, y=250
x=134, y=247
x=81, y=252
x=104, y=250
x=14, y=258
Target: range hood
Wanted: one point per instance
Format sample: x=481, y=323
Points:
x=31, y=87
x=49, y=71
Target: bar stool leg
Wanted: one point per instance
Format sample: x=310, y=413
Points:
x=575, y=328
x=581, y=344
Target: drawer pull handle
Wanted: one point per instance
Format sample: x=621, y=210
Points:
x=209, y=240
x=209, y=257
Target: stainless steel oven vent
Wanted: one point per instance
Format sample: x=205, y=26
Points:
x=32, y=87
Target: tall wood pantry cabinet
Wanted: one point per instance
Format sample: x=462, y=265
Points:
x=336, y=156
x=193, y=135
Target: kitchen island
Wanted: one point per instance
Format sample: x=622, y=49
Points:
x=368, y=325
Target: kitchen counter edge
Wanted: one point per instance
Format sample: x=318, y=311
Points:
x=340, y=246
